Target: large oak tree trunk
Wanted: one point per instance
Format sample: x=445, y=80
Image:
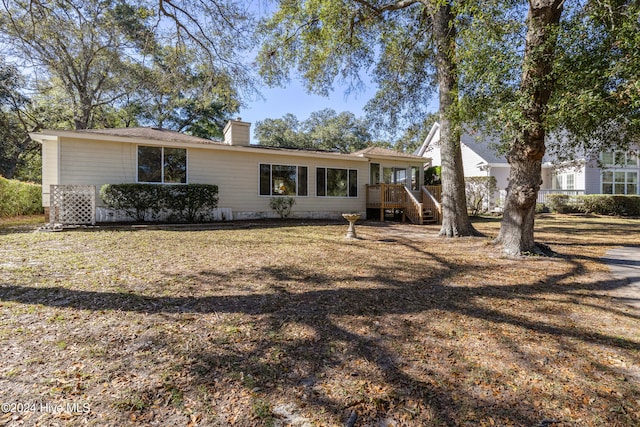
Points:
x=455, y=220
x=525, y=155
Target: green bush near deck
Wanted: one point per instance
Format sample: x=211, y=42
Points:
x=19, y=198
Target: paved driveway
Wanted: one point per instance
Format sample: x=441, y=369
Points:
x=625, y=264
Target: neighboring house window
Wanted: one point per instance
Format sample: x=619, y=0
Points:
x=566, y=181
x=619, y=182
x=333, y=182
x=283, y=180
x=162, y=165
x=619, y=159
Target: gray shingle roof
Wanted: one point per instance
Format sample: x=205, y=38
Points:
x=152, y=133
x=385, y=152
x=484, y=146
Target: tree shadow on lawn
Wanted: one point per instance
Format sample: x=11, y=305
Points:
x=335, y=346
x=555, y=226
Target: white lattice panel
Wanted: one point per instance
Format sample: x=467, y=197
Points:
x=73, y=204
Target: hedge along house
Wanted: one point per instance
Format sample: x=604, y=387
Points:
x=323, y=184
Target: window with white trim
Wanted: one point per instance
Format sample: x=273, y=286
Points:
x=564, y=181
x=283, y=180
x=162, y=165
x=335, y=182
x=619, y=159
x=619, y=182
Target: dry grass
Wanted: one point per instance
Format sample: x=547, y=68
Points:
x=294, y=325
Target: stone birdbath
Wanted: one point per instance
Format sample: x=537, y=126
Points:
x=352, y=218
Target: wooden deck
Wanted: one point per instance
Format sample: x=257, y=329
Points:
x=426, y=207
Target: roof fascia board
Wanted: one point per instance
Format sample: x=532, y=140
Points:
x=416, y=160
x=58, y=135
x=427, y=141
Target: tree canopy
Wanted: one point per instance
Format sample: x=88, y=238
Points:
x=323, y=130
x=409, y=46
x=169, y=63
x=562, y=81
x=337, y=41
x=527, y=70
x=16, y=148
x=595, y=70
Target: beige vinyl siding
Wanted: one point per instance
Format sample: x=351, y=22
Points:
x=97, y=163
x=235, y=170
x=236, y=174
x=50, y=168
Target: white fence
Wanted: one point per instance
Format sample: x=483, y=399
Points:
x=543, y=194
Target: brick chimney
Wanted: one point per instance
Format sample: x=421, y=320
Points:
x=236, y=132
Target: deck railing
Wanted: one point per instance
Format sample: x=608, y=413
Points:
x=394, y=196
x=388, y=196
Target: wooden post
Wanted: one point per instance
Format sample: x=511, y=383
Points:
x=382, y=198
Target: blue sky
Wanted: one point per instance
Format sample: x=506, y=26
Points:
x=294, y=99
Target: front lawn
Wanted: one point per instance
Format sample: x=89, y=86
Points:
x=292, y=324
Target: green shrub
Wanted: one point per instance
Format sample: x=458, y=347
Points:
x=282, y=205
x=563, y=203
x=479, y=191
x=185, y=202
x=601, y=204
x=191, y=202
x=433, y=175
x=19, y=198
x=608, y=204
x=136, y=200
x=541, y=208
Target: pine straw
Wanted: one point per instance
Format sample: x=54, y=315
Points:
x=292, y=324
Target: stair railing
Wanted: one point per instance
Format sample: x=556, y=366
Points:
x=430, y=202
x=412, y=207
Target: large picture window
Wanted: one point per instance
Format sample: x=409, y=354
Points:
x=283, y=180
x=619, y=182
x=619, y=159
x=332, y=182
x=162, y=165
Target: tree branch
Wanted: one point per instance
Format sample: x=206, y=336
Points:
x=402, y=4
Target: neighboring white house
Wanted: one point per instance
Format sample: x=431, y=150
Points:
x=612, y=173
x=324, y=184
